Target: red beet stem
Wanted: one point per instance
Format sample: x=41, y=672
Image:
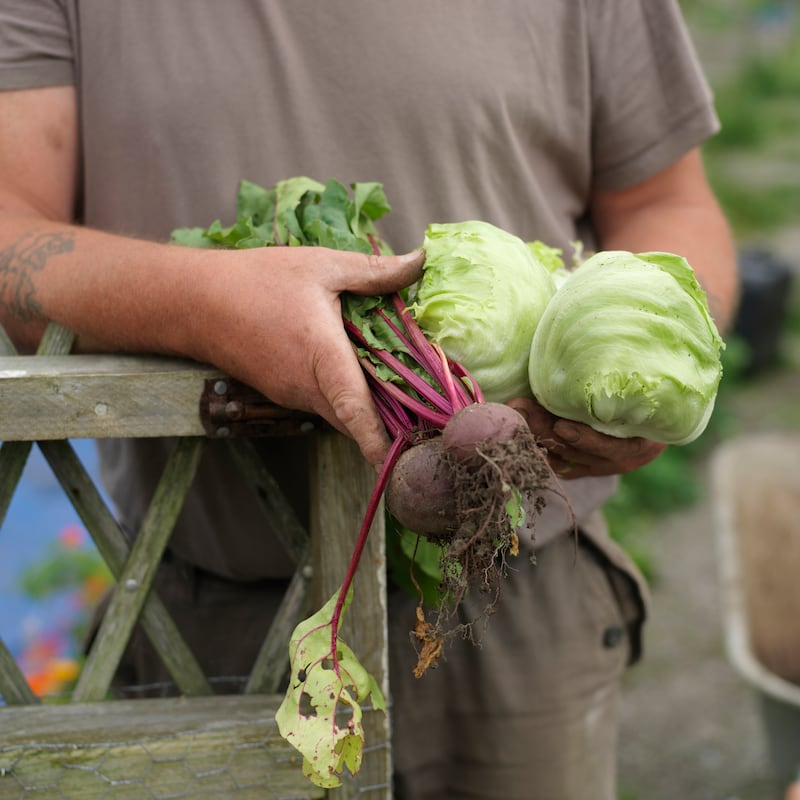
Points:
x=398, y=445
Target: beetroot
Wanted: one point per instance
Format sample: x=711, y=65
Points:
x=469, y=488
x=420, y=493
x=472, y=427
x=500, y=476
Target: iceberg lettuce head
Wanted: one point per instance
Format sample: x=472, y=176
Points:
x=628, y=346
x=481, y=296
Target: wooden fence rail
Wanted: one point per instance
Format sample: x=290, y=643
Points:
x=200, y=744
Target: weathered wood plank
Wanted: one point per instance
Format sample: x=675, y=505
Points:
x=100, y=396
x=137, y=577
x=14, y=689
x=55, y=398
x=114, y=549
x=13, y=457
x=6, y=345
x=273, y=658
x=200, y=747
x=342, y=482
x=56, y=340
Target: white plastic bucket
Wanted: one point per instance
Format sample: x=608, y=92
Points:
x=756, y=493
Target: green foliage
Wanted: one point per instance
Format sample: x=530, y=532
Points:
x=67, y=568
x=766, y=76
x=320, y=714
x=62, y=570
x=716, y=16
x=751, y=209
x=758, y=111
x=663, y=485
x=414, y=563
x=298, y=211
x=793, y=318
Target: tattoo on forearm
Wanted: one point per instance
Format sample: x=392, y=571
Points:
x=18, y=263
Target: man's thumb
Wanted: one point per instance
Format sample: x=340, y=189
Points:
x=385, y=274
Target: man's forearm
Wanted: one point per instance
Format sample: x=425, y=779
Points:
x=698, y=233
x=20, y=260
x=107, y=289
x=675, y=211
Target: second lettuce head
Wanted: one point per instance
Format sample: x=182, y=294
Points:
x=628, y=346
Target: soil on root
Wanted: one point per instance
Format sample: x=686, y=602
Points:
x=494, y=497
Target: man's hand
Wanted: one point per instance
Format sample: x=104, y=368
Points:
x=272, y=318
x=577, y=451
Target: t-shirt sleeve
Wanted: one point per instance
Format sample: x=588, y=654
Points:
x=651, y=101
x=35, y=44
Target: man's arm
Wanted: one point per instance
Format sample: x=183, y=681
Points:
x=674, y=211
x=268, y=316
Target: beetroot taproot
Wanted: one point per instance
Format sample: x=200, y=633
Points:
x=478, y=424
x=472, y=488
x=420, y=492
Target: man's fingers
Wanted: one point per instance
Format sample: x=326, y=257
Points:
x=576, y=450
x=582, y=442
x=539, y=419
x=350, y=406
x=378, y=274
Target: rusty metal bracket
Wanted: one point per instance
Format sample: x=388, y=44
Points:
x=231, y=408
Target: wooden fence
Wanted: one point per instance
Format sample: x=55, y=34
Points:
x=199, y=744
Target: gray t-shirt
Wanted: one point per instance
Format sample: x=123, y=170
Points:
x=506, y=112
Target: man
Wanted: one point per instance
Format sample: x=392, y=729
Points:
x=555, y=120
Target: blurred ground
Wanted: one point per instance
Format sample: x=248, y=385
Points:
x=691, y=728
